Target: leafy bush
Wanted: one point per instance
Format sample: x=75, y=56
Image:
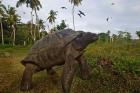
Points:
x=121, y=55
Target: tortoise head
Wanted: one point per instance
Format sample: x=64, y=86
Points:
x=84, y=39
x=89, y=37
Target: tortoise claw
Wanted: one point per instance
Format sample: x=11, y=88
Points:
x=26, y=86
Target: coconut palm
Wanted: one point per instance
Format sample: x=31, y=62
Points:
x=2, y=14
x=75, y=3
x=41, y=26
x=42, y=32
x=12, y=20
x=1, y=25
x=108, y=37
x=31, y=25
x=29, y=37
x=52, y=17
x=34, y=5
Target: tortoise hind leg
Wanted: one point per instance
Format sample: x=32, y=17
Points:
x=26, y=83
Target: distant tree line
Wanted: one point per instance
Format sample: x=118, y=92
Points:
x=121, y=36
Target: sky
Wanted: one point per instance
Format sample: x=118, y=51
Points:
x=124, y=15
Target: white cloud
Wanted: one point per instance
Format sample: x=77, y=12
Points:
x=136, y=8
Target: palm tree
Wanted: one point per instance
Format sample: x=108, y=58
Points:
x=31, y=25
x=2, y=39
x=29, y=37
x=34, y=5
x=108, y=37
x=75, y=3
x=2, y=14
x=12, y=20
x=41, y=27
x=41, y=24
x=1, y=26
x=52, y=17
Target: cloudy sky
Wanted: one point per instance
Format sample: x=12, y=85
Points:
x=123, y=15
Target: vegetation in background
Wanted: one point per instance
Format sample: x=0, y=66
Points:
x=51, y=18
x=62, y=25
x=35, y=5
x=138, y=34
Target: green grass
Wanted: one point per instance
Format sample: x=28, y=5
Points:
x=124, y=56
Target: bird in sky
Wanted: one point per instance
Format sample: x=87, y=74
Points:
x=79, y=15
x=112, y=3
x=63, y=7
x=82, y=13
x=108, y=18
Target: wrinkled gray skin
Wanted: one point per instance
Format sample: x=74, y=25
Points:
x=61, y=48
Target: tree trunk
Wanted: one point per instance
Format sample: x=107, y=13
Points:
x=34, y=38
x=14, y=34
x=37, y=24
x=32, y=25
x=73, y=10
x=54, y=26
x=2, y=38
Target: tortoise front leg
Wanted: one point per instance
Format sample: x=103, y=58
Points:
x=68, y=73
x=84, y=68
x=26, y=83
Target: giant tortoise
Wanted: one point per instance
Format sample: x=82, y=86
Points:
x=64, y=47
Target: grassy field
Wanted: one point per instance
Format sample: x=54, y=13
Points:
x=123, y=76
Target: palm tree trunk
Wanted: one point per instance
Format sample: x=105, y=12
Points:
x=31, y=24
x=14, y=35
x=48, y=28
x=73, y=10
x=2, y=38
x=34, y=34
x=54, y=26
x=37, y=25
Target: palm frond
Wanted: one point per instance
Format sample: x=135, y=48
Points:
x=34, y=4
x=75, y=2
x=20, y=2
